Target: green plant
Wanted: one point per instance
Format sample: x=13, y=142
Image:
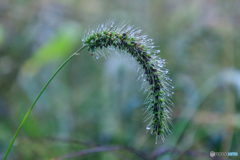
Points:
x=108, y=38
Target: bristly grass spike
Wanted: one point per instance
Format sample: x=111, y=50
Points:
x=154, y=76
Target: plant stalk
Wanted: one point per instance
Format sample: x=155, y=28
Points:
x=29, y=110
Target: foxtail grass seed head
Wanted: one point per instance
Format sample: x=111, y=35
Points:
x=108, y=38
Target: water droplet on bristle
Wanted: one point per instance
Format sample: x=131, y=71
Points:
x=149, y=40
x=96, y=57
x=148, y=127
x=172, y=87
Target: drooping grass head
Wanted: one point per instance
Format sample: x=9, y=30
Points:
x=108, y=38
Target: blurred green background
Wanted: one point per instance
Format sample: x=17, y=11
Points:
x=98, y=103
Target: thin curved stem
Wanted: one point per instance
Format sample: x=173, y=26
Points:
x=28, y=112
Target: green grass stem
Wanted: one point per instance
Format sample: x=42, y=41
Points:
x=28, y=112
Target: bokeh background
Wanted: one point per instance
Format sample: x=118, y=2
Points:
x=93, y=104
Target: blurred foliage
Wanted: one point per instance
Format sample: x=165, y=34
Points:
x=99, y=101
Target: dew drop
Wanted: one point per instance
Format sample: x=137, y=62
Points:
x=96, y=57
x=155, y=142
x=166, y=71
x=161, y=65
x=157, y=51
x=172, y=92
x=148, y=127
x=168, y=94
x=172, y=87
